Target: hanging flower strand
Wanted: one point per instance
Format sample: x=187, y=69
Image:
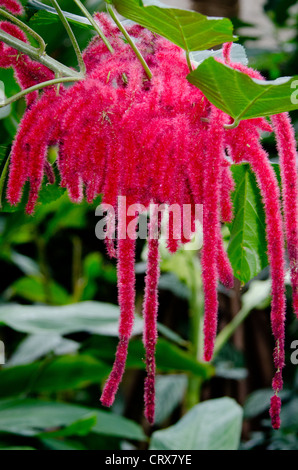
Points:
x=154, y=141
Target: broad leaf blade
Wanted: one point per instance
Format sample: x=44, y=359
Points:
x=91, y=317
x=240, y=96
x=47, y=15
x=187, y=29
x=32, y=417
x=59, y=374
x=211, y=425
x=247, y=247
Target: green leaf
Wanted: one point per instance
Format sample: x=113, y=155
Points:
x=48, y=193
x=91, y=317
x=32, y=288
x=81, y=427
x=42, y=18
x=17, y=448
x=257, y=403
x=247, y=247
x=62, y=373
x=211, y=425
x=32, y=417
x=34, y=347
x=240, y=96
x=187, y=29
x=169, y=357
x=58, y=444
x=170, y=390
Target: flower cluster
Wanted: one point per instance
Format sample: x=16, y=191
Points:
x=154, y=141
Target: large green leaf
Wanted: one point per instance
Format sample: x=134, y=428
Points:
x=46, y=15
x=170, y=391
x=62, y=373
x=50, y=17
x=188, y=29
x=240, y=96
x=247, y=247
x=211, y=425
x=91, y=317
x=81, y=427
x=33, y=417
x=34, y=347
x=169, y=357
x=48, y=193
x=32, y=288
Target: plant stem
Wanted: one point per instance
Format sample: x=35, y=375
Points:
x=3, y=178
x=34, y=54
x=113, y=15
x=95, y=25
x=22, y=25
x=43, y=265
x=233, y=125
x=39, y=86
x=71, y=36
x=226, y=333
x=196, y=329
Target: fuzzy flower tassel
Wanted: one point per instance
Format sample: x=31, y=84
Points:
x=154, y=141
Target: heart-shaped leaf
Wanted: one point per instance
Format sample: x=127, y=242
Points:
x=187, y=29
x=211, y=425
x=247, y=247
x=240, y=96
x=32, y=417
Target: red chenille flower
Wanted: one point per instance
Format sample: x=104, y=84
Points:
x=161, y=142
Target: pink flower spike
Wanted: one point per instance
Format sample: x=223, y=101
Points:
x=275, y=411
x=126, y=295
x=226, y=52
x=225, y=270
x=286, y=144
x=48, y=169
x=13, y=6
x=227, y=186
x=215, y=152
x=150, y=308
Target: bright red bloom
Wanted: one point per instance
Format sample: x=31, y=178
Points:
x=161, y=142
x=286, y=145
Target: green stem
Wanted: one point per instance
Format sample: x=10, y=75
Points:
x=71, y=36
x=22, y=25
x=34, y=54
x=230, y=329
x=95, y=25
x=196, y=330
x=113, y=15
x=3, y=178
x=39, y=86
x=233, y=125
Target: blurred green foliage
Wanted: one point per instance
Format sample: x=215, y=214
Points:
x=59, y=316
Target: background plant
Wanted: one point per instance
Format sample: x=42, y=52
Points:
x=29, y=250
